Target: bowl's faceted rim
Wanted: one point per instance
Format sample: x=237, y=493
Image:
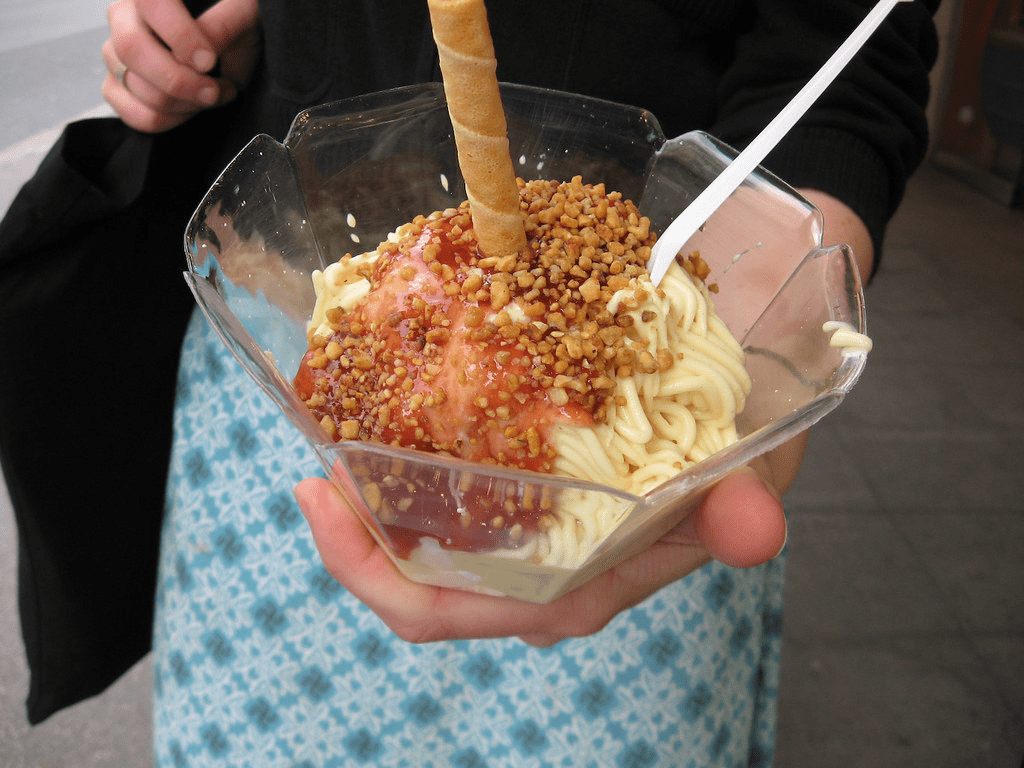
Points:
x=409, y=99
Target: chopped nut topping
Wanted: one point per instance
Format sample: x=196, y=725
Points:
x=532, y=327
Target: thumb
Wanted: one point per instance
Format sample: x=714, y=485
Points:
x=742, y=522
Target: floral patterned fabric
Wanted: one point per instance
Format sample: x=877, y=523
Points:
x=262, y=659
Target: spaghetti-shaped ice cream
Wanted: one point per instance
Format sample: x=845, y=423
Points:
x=563, y=359
x=675, y=416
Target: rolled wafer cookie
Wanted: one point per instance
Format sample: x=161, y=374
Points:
x=469, y=69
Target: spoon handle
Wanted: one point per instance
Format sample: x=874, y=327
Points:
x=696, y=213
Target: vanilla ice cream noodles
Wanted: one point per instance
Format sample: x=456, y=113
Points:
x=561, y=358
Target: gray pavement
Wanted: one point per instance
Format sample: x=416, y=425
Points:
x=904, y=629
x=50, y=65
x=904, y=626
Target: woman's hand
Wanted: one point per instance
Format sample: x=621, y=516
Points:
x=159, y=59
x=741, y=522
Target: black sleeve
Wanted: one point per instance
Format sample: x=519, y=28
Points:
x=868, y=132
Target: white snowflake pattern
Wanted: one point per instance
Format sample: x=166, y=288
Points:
x=539, y=688
x=649, y=705
x=674, y=608
x=604, y=655
x=188, y=628
x=425, y=668
x=270, y=560
x=480, y=719
x=582, y=742
x=266, y=665
x=322, y=634
x=364, y=698
x=223, y=593
x=416, y=747
x=516, y=759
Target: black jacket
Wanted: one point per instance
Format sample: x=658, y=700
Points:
x=724, y=66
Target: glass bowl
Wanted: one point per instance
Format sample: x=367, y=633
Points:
x=351, y=172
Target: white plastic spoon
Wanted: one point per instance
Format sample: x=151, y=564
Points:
x=696, y=213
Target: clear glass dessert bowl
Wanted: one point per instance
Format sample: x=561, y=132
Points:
x=351, y=172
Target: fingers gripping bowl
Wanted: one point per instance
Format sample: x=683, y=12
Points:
x=351, y=173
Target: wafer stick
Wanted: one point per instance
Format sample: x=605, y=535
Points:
x=468, y=67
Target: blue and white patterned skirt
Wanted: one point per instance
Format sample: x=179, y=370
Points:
x=262, y=659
